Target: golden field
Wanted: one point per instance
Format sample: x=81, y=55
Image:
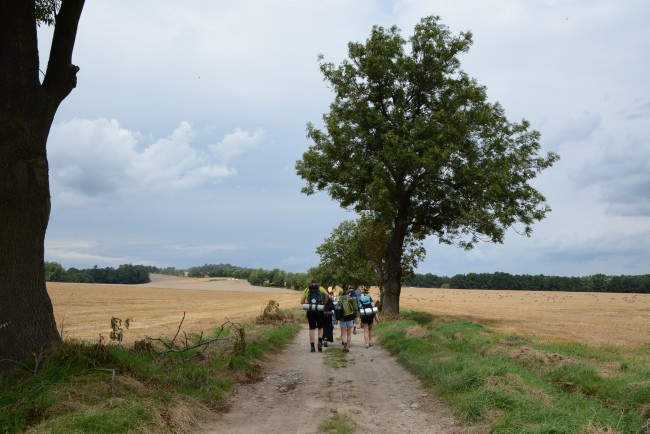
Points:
x=84, y=311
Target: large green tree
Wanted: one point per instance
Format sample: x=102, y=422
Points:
x=27, y=108
x=412, y=139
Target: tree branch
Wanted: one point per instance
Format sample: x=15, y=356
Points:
x=61, y=74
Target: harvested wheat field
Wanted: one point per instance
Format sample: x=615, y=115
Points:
x=84, y=311
x=593, y=318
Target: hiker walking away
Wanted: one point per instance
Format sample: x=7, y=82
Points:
x=354, y=292
x=368, y=316
x=313, y=300
x=328, y=324
x=350, y=310
x=338, y=313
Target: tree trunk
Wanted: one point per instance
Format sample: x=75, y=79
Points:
x=27, y=109
x=394, y=252
x=27, y=323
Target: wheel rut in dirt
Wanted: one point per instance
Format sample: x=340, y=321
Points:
x=301, y=390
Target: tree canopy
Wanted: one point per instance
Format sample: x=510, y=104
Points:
x=413, y=140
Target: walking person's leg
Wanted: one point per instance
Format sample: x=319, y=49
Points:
x=320, y=339
x=349, y=332
x=320, y=322
x=366, y=333
x=312, y=330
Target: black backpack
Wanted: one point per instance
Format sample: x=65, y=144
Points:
x=338, y=311
x=314, y=296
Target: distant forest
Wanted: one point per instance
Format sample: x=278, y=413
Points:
x=540, y=282
x=134, y=274
x=127, y=274
x=595, y=283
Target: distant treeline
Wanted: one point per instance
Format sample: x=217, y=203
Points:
x=595, y=283
x=254, y=276
x=127, y=274
x=134, y=274
x=499, y=280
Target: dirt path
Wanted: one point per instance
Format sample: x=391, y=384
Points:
x=302, y=389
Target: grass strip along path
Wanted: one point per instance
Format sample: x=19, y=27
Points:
x=510, y=384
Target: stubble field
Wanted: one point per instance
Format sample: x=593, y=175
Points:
x=84, y=311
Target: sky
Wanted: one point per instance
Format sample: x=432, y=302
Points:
x=178, y=146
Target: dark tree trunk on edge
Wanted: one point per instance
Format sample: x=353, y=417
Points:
x=27, y=110
x=394, y=252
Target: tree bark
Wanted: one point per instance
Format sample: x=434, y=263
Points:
x=394, y=252
x=27, y=109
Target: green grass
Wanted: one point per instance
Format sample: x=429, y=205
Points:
x=72, y=389
x=338, y=423
x=514, y=385
x=336, y=358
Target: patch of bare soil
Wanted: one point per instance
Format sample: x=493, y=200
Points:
x=301, y=390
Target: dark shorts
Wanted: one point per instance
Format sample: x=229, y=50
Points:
x=316, y=319
x=367, y=319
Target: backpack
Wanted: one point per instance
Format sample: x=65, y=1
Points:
x=349, y=307
x=365, y=306
x=338, y=311
x=314, y=296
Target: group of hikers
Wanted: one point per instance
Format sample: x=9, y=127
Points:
x=349, y=309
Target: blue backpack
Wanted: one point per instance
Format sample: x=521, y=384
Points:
x=365, y=306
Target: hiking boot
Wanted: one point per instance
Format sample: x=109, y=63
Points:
x=370, y=344
x=320, y=347
x=325, y=344
x=313, y=350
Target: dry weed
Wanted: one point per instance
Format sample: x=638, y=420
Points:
x=271, y=315
x=417, y=331
x=528, y=353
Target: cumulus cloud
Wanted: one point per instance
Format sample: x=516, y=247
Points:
x=236, y=143
x=99, y=157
